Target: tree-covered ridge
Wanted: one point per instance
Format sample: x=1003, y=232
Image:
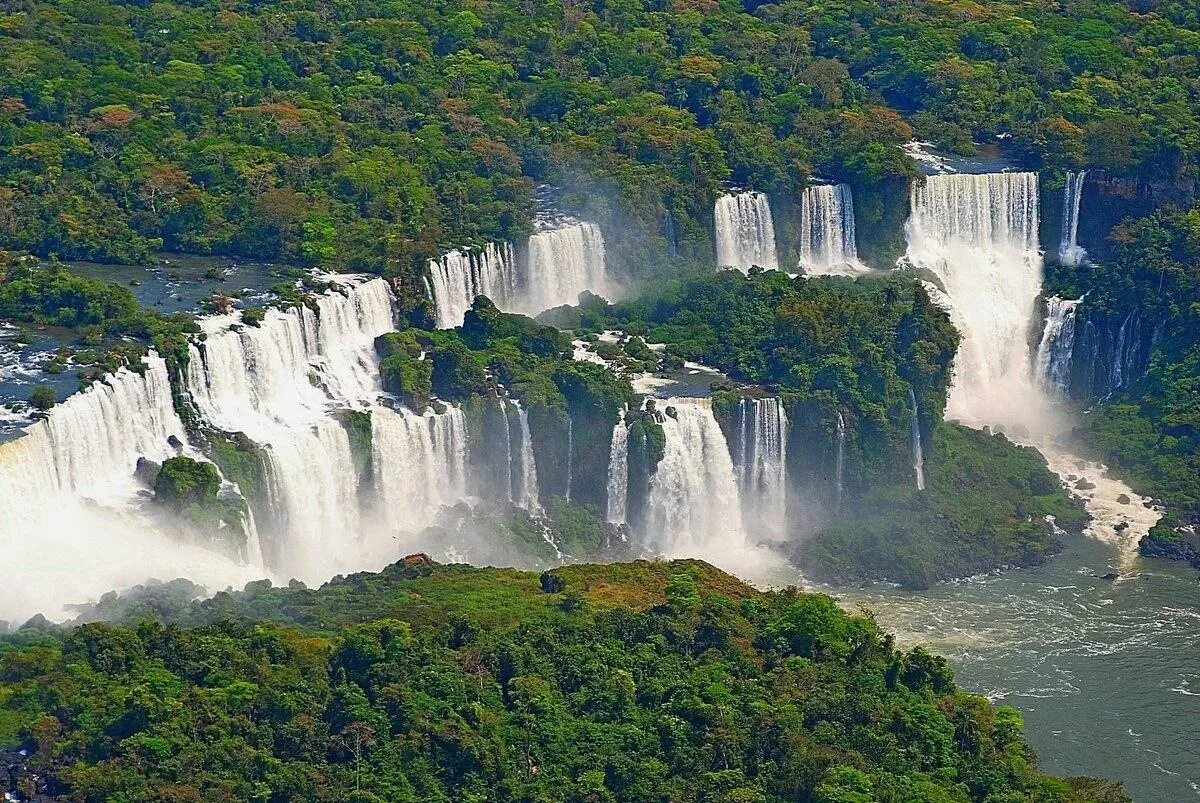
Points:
x=369, y=135
x=634, y=682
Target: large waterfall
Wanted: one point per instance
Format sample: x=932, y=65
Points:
x=827, y=237
x=459, y=276
x=69, y=525
x=693, y=508
x=420, y=464
x=617, y=491
x=561, y=261
x=1069, y=251
x=979, y=235
x=762, y=463
x=1053, y=364
x=745, y=232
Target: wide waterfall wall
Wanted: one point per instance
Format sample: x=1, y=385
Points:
x=617, y=490
x=1055, y=350
x=278, y=384
x=561, y=263
x=69, y=526
x=558, y=263
x=420, y=464
x=1069, y=251
x=827, y=237
x=979, y=235
x=693, y=508
x=745, y=232
x=1110, y=351
x=459, y=276
x=761, y=464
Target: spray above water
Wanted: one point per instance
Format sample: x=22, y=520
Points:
x=745, y=232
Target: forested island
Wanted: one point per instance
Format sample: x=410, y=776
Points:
x=859, y=294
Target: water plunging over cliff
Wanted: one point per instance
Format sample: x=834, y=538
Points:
x=459, y=276
x=420, y=464
x=1069, y=251
x=693, y=508
x=525, y=493
x=918, y=452
x=979, y=235
x=562, y=262
x=69, y=518
x=841, y=460
x=618, y=474
x=827, y=237
x=1053, y=363
x=745, y=232
x=762, y=463
x=278, y=383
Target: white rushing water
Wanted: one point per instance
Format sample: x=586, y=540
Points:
x=618, y=474
x=459, y=276
x=1053, y=363
x=762, y=463
x=827, y=236
x=918, y=452
x=70, y=527
x=420, y=464
x=840, y=467
x=1069, y=250
x=693, y=509
x=745, y=232
x=563, y=262
x=526, y=492
x=560, y=261
x=979, y=235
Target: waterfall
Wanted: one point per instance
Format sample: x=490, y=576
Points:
x=841, y=459
x=71, y=524
x=827, y=238
x=618, y=474
x=693, y=507
x=527, y=492
x=562, y=262
x=420, y=465
x=745, y=232
x=762, y=468
x=459, y=276
x=1069, y=251
x=979, y=235
x=918, y=453
x=277, y=383
x=1053, y=364
x=570, y=454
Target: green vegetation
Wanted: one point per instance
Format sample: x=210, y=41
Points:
x=633, y=682
x=43, y=397
x=369, y=135
x=984, y=507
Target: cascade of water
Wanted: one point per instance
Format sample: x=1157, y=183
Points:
x=420, y=465
x=762, y=469
x=693, y=506
x=978, y=234
x=570, y=455
x=562, y=263
x=618, y=474
x=459, y=276
x=827, y=237
x=1069, y=251
x=745, y=232
x=276, y=383
x=918, y=453
x=841, y=459
x=509, y=491
x=70, y=524
x=1053, y=364
x=527, y=493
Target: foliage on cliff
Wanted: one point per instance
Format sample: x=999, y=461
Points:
x=634, y=682
x=370, y=134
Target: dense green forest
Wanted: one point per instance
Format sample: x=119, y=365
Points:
x=370, y=135
x=633, y=682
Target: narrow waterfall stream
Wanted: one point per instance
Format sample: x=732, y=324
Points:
x=617, y=489
x=762, y=464
x=827, y=235
x=1052, y=366
x=918, y=451
x=1069, y=250
x=745, y=231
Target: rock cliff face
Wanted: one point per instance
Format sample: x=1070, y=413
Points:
x=1107, y=200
